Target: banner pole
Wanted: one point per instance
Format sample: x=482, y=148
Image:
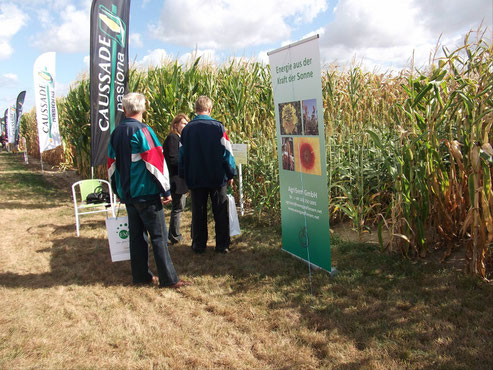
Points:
x=41, y=160
x=92, y=172
x=307, y=241
x=242, y=210
x=24, y=145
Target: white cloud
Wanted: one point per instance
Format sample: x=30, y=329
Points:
x=135, y=40
x=454, y=16
x=70, y=34
x=319, y=32
x=231, y=24
x=154, y=57
x=379, y=23
x=45, y=17
x=12, y=19
x=8, y=80
x=5, y=49
x=263, y=57
x=389, y=32
x=207, y=56
x=62, y=89
x=86, y=60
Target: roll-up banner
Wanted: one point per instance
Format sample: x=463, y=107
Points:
x=44, y=96
x=11, y=124
x=109, y=71
x=18, y=114
x=298, y=105
x=5, y=129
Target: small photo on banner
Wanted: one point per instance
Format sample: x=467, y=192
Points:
x=307, y=155
x=290, y=118
x=287, y=154
x=310, y=117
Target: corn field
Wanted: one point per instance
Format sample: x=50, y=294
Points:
x=408, y=153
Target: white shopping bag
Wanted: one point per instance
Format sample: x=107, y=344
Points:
x=119, y=238
x=234, y=223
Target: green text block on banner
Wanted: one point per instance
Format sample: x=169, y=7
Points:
x=297, y=88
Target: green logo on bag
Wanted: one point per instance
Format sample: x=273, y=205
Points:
x=123, y=234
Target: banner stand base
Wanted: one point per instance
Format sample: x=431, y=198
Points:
x=332, y=273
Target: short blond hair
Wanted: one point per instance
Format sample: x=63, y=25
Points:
x=134, y=103
x=203, y=104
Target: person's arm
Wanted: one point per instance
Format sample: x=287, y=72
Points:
x=228, y=158
x=111, y=168
x=166, y=200
x=171, y=150
x=181, y=157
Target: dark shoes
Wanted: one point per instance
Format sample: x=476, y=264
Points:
x=197, y=249
x=217, y=250
x=153, y=281
x=173, y=242
x=179, y=285
x=222, y=249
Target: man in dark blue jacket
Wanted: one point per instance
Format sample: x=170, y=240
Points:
x=206, y=162
x=138, y=174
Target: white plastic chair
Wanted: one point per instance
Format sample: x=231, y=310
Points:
x=80, y=189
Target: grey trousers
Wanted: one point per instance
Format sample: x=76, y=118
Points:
x=177, y=205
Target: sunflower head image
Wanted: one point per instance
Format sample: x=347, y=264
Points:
x=289, y=119
x=307, y=156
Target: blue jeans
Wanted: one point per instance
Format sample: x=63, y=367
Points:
x=148, y=217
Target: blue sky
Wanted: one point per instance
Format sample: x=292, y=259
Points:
x=377, y=34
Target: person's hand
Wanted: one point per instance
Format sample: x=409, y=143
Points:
x=230, y=182
x=166, y=200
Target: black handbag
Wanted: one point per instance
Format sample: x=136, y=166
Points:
x=99, y=196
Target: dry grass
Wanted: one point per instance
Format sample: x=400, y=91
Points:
x=65, y=305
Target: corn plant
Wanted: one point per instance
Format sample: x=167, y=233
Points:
x=410, y=152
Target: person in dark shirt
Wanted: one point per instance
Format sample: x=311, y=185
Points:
x=207, y=164
x=179, y=188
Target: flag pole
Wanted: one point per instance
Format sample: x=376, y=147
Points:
x=41, y=160
x=24, y=144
